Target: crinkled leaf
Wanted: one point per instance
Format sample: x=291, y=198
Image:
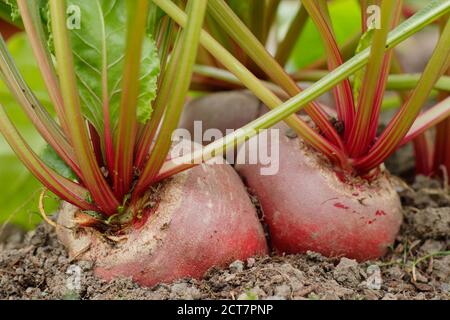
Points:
x=11, y=8
x=102, y=24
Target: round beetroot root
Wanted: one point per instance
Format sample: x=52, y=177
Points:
x=307, y=206
x=221, y=111
x=204, y=218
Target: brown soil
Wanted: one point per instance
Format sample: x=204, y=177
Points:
x=417, y=267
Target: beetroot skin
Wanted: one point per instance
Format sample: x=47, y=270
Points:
x=204, y=218
x=221, y=111
x=307, y=206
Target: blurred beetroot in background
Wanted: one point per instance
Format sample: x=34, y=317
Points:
x=7, y=30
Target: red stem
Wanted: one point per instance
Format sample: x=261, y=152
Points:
x=96, y=144
x=423, y=149
x=364, y=132
x=343, y=93
x=109, y=142
x=442, y=155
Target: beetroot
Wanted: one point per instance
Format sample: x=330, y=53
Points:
x=204, y=218
x=222, y=111
x=308, y=206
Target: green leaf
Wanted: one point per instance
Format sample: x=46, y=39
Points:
x=155, y=16
x=54, y=161
x=102, y=32
x=364, y=43
x=242, y=9
x=11, y=6
x=346, y=19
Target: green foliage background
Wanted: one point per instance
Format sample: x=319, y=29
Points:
x=20, y=191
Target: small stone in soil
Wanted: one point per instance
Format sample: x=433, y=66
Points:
x=251, y=262
x=237, y=266
x=374, y=281
x=347, y=272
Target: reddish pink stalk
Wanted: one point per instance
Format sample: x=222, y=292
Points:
x=427, y=120
x=343, y=92
x=123, y=173
x=442, y=156
x=109, y=143
x=424, y=155
x=96, y=144
x=363, y=132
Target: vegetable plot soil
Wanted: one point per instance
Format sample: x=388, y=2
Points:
x=38, y=267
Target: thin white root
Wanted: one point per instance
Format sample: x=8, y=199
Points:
x=79, y=253
x=445, y=175
x=117, y=239
x=42, y=210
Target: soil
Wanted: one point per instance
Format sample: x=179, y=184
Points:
x=36, y=266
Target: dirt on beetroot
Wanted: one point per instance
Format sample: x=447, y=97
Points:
x=36, y=266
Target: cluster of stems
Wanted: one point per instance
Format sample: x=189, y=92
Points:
x=206, y=45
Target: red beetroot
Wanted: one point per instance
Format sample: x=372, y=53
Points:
x=204, y=218
x=307, y=206
x=222, y=111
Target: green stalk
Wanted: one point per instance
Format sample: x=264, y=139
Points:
x=428, y=120
x=364, y=17
x=218, y=34
x=405, y=118
x=269, y=17
x=318, y=11
x=38, y=115
x=257, y=21
x=422, y=144
x=29, y=11
x=91, y=174
x=167, y=37
x=62, y=187
x=147, y=132
x=434, y=10
x=373, y=85
x=127, y=127
x=399, y=82
x=442, y=148
x=243, y=36
x=395, y=82
x=229, y=79
x=107, y=134
x=256, y=86
x=196, y=10
x=165, y=90
x=285, y=47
